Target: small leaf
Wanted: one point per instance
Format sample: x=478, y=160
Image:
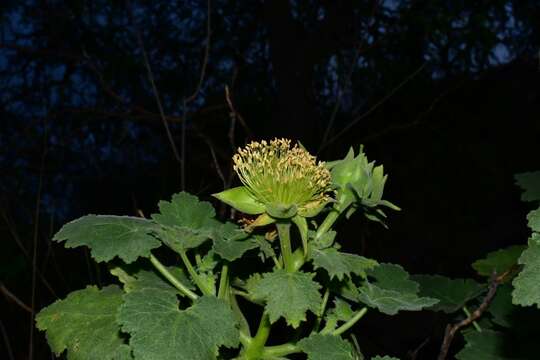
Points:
x=110, y=236
x=452, y=294
x=530, y=182
x=84, y=324
x=499, y=261
x=160, y=330
x=527, y=284
x=181, y=239
x=185, y=210
x=288, y=295
x=340, y=312
x=533, y=219
x=240, y=199
x=339, y=264
x=325, y=347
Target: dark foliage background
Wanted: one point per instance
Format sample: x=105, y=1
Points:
x=444, y=93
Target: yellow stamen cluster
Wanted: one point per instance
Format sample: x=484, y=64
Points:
x=275, y=173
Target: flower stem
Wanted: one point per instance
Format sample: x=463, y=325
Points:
x=285, y=243
x=196, y=279
x=360, y=314
x=224, y=283
x=174, y=281
x=327, y=223
x=256, y=347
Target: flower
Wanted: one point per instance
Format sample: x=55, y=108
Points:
x=279, y=179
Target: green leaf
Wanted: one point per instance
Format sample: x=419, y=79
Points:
x=84, y=323
x=325, y=347
x=533, y=219
x=527, y=283
x=530, y=182
x=288, y=295
x=339, y=264
x=110, y=236
x=160, y=330
x=499, y=261
x=393, y=291
x=485, y=345
x=186, y=222
x=340, y=312
x=185, y=210
x=241, y=199
x=231, y=242
x=522, y=320
x=452, y=294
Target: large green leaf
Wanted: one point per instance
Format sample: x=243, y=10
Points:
x=288, y=295
x=110, y=236
x=325, y=347
x=392, y=291
x=452, y=294
x=160, y=330
x=231, y=242
x=485, y=345
x=339, y=264
x=186, y=222
x=84, y=323
x=530, y=182
x=499, y=261
x=527, y=283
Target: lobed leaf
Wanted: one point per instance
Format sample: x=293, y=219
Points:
x=231, y=242
x=160, y=330
x=109, y=236
x=288, y=295
x=527, y=284
x=499, y=261
x=84, y=324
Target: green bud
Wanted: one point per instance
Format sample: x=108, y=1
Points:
x=241, y=199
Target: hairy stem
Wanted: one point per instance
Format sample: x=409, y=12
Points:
x=194, y=276
x=285, y=243
x=320, y=315
x=280, y=350
x=174, y=281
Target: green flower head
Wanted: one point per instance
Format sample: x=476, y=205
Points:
x=279, y=179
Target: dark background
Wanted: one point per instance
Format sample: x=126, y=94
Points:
x=445, y=94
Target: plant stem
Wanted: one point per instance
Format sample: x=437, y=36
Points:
x=468, y=314
x=280, y=350
x=327, y=223
x=321, y=310
x=285, y=243
x=224, y=283
x=256, y=347
x=194, y=275
x=174, y=281
x=360, y=314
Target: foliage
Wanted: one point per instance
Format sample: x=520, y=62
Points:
x=302, y=279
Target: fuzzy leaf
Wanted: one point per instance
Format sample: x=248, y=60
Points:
x=339, y=264
x=160, y=330
x=533, y=220
x=527, y=283
x=84, y=323
x=393, y=291
x=499, y=261
x=110, y=236
x=452, y=294
x=288, y=295
x=324, y=347
x=530, y=182
x=340, y=312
